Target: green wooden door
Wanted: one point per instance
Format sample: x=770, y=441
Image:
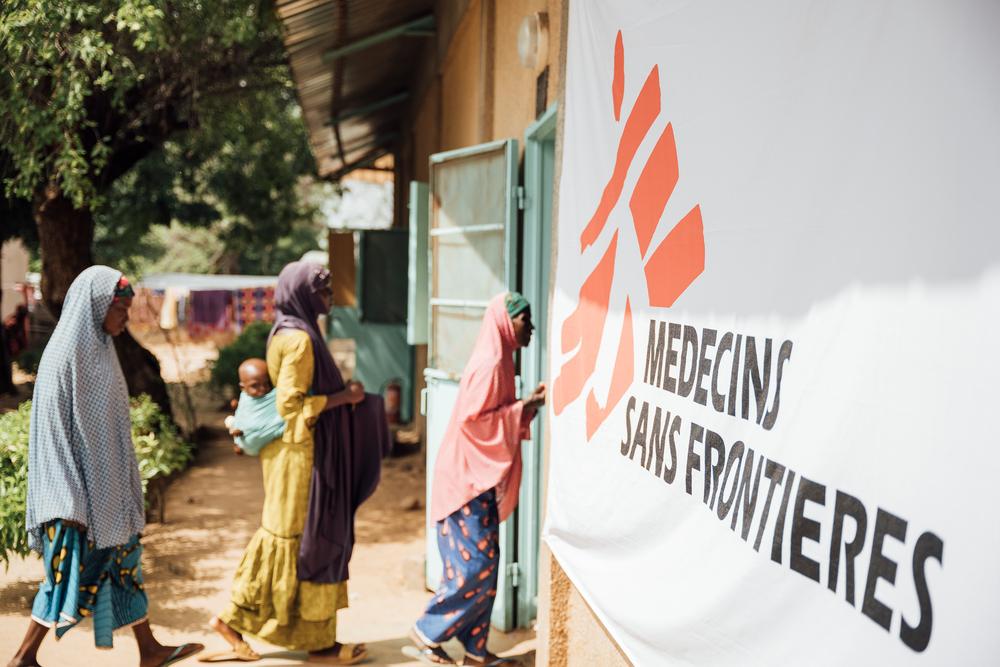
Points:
x=472, y=241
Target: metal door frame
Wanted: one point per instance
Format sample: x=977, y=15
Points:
x=536, y=286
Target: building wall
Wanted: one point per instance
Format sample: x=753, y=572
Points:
x=461, y=92
x=13, y=266
x=477, y=90
x=515, y=86
x=425, y=135
x=569, y=633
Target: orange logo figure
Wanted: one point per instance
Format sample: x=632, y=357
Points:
x=668, y=269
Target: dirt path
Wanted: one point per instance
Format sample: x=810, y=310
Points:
x=212, y=510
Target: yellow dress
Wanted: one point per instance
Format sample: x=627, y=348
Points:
x=268, y=601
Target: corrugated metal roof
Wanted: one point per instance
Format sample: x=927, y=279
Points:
x=366, y=87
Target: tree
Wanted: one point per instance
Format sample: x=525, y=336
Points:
x=230, y=198
x=90, y=88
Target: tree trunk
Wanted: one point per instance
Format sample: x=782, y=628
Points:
x=142, y=371
x=66, y=238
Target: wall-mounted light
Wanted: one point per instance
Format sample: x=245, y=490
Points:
x=533, y=41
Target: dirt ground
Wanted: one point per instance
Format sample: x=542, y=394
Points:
x=212, y=510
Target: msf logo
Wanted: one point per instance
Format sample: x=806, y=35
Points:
x=668, y=269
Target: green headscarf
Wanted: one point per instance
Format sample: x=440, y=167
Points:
x=516, y=303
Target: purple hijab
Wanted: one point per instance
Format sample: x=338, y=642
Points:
x=349, y=443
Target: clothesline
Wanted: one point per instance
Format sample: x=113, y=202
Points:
x=202, y=311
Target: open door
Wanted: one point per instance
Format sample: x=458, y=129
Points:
x=539, y=177
x=472, y=241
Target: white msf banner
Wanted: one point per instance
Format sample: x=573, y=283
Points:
x=775, y=370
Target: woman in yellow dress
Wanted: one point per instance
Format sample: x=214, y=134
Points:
x=272, y=599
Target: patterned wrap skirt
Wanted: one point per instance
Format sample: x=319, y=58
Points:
x=469, y=541
x=84, y=582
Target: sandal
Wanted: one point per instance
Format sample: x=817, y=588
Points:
x=345, y=656
x=181, y=652
x=429, y=655
x=424, y=652
x=240, y=651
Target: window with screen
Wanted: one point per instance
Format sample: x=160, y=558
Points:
x=469, y=238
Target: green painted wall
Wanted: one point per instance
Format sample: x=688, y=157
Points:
x=382, y=353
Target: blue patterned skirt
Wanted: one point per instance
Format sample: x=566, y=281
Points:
x=469, y=541
x=82, y=581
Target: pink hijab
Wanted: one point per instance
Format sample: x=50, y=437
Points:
x=482, y=446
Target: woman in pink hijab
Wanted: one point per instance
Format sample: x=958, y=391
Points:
x=476, y=482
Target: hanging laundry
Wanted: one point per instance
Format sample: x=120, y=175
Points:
x=168, y=311
x=210, y=311
x=255, y=304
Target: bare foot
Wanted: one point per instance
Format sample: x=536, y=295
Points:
x=227, y=633
x=22, y=662
x=331, y=656
x=162, y=654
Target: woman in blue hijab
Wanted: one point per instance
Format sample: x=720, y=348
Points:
x=85, y=509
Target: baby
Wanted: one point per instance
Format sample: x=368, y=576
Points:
x=256, y=422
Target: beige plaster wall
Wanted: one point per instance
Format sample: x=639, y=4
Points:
x=425, y=132
x=480, y=91
x=515, y=87
x=461, y=90
x=13, y=266
x=569, y=633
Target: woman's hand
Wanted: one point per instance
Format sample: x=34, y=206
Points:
x=355, y=392
x=537, y=397
x=352, y=394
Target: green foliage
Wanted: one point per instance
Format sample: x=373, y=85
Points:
x=252, y=342
x=90, y=87
x=159, y=249
x=15, y=211
x=229, y=198
x=14, y=480
x=170, y=114
x=159, y=450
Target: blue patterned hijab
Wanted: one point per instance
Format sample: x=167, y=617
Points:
x=81, y=463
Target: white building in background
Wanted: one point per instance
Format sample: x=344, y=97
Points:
x=362, y=204
x=13, y=269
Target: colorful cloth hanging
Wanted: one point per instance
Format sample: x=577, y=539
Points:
x=254, y=304
x=211, y=310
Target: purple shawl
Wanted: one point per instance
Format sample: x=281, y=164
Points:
x=349, y=443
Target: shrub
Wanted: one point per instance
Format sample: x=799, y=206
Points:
x=252, y=342
x=14, y=480
x=159, y=450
